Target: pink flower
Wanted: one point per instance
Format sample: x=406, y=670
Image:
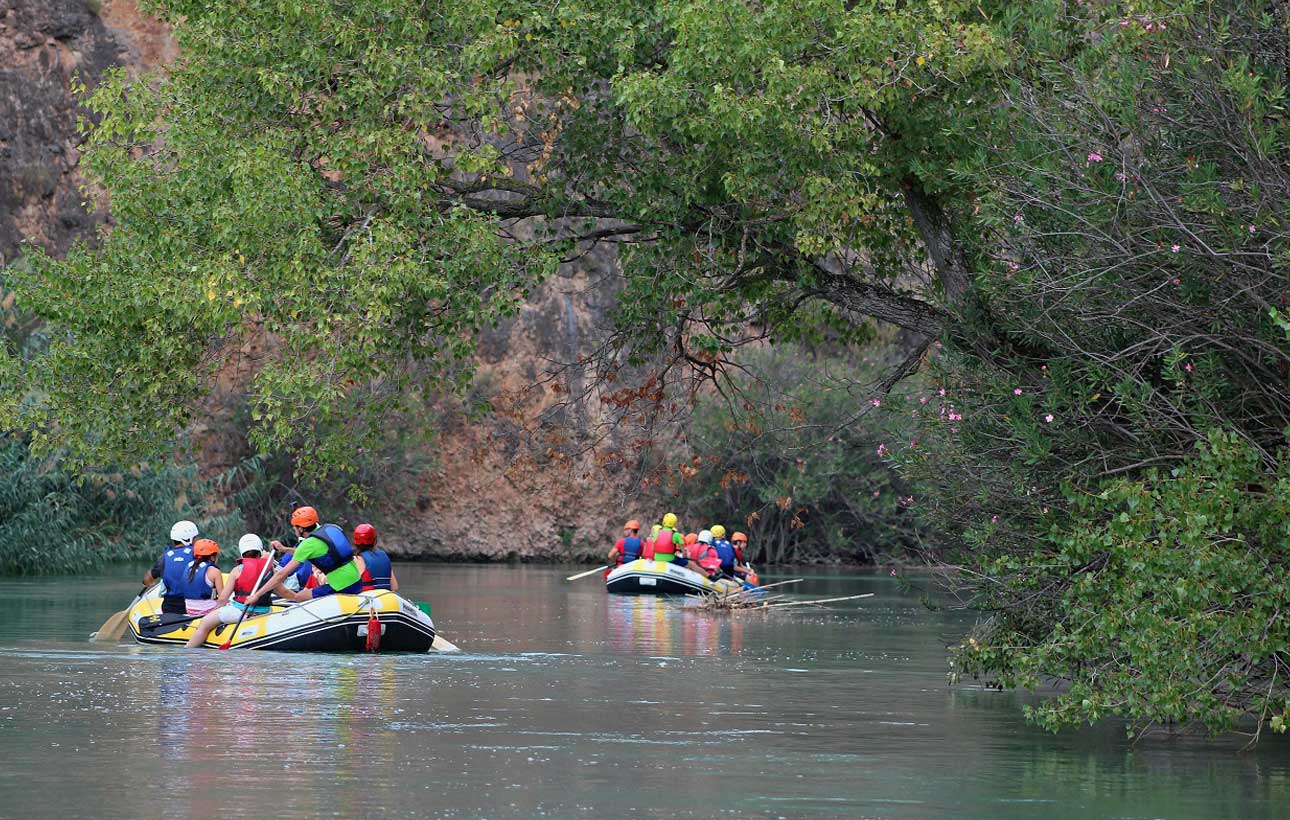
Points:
x=893, y=573
x=1187, y=367
x=882, y=450
x=876, y=402
x=1094, y=156
x=913, y=444
x=1018, y=219
x=1016, y=392
x=994, y=519
x=1120, y=177
x=1049, y=418
x=1175, y=248
x=1251, y=229
x=942, y=391
x=1124, y=24
x=1014, y=267
x=1149, y=26
x=922, y=400
x=1162, y=26
x=1045, y=511
x=1176, y=280
x=877, y=493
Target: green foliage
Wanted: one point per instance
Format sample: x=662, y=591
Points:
x=1084, y=202
x=1172, y=589
x=54, y=522
x=781, y=457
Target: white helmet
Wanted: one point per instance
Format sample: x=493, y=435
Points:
x=249, y=543
x=184, y=532
x=705, y=537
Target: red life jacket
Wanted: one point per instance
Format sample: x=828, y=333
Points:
x=663, y=544
x=647, y=549
x=245, y=583
x=709, y=559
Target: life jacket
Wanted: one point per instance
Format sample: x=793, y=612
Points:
x=647, y=550
x=377, y=571
x=709, y=559
x=726, y=550
x=339, y=552
x=245, y=583
x=663, y=545
x=632, y=547
x=175, y=575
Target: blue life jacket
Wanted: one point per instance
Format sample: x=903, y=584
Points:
x=726, y=552
x=631, y=549
x=303, y=572
x=176, y=577
x=339, y=552
x=378, y=569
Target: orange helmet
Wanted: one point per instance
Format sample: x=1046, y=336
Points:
x=691, y=538
x=304, y=517
x=738, y=537
x=364, y=534
x=632, y=525
x=203, y=547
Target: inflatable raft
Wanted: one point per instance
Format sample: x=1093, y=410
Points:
x=664, y=578
x=336, y=623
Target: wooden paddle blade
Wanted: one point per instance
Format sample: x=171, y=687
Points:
x=112, y=628
x=443, y=644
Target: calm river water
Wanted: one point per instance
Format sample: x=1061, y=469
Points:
x=568, y=702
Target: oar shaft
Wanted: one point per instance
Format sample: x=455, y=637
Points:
x=588, y=572
x=822, y=600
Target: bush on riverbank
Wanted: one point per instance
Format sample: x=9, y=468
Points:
x=780, y=457
x=52, y=523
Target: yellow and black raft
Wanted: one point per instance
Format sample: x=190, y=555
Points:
x=336, y=623
x=664, y=578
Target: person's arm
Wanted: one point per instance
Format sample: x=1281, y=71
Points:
x=153, y=575
x=275, y=580
x=216, y=579
x=394, y=582
x=227, y=593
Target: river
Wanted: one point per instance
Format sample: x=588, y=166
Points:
x=570, y=703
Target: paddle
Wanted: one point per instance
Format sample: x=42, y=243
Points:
x=115, y=625
x=443, y=645
x=268, y=562
x=588, y=572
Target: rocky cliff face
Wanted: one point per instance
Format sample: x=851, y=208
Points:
x=514, y=485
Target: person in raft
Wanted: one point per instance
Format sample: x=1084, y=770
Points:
x=241, y=583
x=739, y=541
x=667, y=541
x=327, y=548
x=374, y=567
x=703, y=558
x=708, y=559
x=629, y=547
x=729, y=560
x=180, y=552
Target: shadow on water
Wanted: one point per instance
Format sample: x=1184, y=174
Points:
x=572, y=703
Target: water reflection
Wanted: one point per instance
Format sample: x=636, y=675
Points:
x=670, y=626
x=573, y=703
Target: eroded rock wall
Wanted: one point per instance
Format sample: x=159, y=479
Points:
x=516, y=484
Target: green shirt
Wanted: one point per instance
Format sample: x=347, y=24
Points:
x=337, y=579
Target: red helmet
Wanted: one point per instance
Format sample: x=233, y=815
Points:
x=304, y=517
x=364, y=535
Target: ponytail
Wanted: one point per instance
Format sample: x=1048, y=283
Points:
x=197, y=564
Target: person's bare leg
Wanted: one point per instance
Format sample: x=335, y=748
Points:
x=208, y=622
